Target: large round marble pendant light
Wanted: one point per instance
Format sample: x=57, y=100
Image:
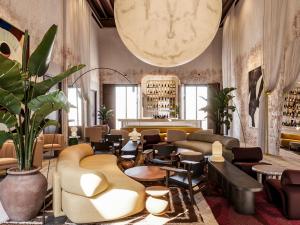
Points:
x=167, y=33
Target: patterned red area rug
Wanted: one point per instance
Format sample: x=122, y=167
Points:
x=266, y=213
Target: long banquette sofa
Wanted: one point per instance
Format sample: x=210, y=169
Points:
x=202, y=142
x=90, y=188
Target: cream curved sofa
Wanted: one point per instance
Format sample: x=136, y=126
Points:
x=90, y=188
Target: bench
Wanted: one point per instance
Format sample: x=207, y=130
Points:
x=239, y=188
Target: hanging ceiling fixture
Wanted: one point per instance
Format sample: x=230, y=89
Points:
x=167, y=33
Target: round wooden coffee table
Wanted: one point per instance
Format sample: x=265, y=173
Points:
x=269, y=170
x=146, y=173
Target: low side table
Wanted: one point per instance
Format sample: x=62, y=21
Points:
x=157, y=202
x=269, y=170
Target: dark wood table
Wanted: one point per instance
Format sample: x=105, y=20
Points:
x=146, y=173
x=131, y=148
x=238, y=186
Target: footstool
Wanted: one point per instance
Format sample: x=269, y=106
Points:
x=157, y=202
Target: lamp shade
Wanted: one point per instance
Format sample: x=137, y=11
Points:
x=217, y=150
x=167, y=33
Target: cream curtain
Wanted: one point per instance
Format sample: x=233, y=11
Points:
x=77, y=19
x=292, y=65
x=291, y=71
x=274, y=27
x=229, y=48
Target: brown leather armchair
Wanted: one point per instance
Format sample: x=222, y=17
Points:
x=8, y=155
x=285, y=193
x=245, y=158
x=53, y=142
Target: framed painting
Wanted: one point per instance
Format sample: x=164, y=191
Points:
x=256, y=85
x=11, y=41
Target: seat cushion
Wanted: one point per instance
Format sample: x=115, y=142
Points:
x=54, y=146
x=6, y=163
x=198, y=146
x=252, y=155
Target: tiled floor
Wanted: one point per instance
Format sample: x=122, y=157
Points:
x=287, y=159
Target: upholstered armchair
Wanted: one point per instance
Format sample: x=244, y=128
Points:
x=8, y=155
x=162, y=154
x=246, y=158
x=53, y=142
x=285, y=193
x=148, y=132
x=94, y=134
x=190, y=176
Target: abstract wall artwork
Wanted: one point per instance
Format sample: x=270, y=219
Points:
x=11, y=41
x=255, y=91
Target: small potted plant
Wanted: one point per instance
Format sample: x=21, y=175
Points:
x=25, y=103
x=220, y=109
x=104, y=115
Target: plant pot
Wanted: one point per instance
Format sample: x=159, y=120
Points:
x=22, y=193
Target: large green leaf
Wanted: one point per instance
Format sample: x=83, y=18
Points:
x=40, y=59
x=10, y=77
x=45, y=123
x=8, y=119
x=44, y=86
x=54, y=98
x=9, y=101
x=4, y=136
x=46, y=104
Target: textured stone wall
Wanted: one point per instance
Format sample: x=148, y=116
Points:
x=37, y=16
x=204, y=69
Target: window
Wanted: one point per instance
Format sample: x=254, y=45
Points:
x=127, y=104
x=75, y=113
x=193, y=102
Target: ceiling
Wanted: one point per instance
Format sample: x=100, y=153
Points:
x=103, y=11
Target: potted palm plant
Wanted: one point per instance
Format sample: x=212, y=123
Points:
x=220, y=109
x=25, y=103
x=104, y=115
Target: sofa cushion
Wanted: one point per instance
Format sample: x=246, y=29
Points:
x=80, y=181
x=290, y=136
x=54, y=146
x=228, y=142
x=247, y=154
x=198, y=146
x=4, y=161
x=77, y=180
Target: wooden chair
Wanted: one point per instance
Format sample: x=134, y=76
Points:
x=190, y=177
x=162, y=154
x=115, y=141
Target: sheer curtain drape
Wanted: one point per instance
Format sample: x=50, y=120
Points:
x=274, y=27
x=77, y=19
x=229, y=48
x=291, y=71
